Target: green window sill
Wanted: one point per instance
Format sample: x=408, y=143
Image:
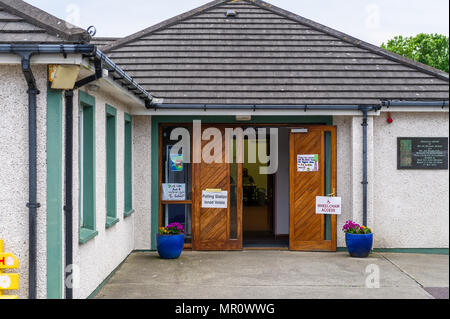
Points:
x=111, y=221
x=129, y=213
x=87, y=234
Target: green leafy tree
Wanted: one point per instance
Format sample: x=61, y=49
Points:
x=430, y=49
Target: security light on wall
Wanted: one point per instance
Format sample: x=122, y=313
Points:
x=243, y=117
x=63, y=77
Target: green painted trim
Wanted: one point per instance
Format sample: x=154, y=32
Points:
x=111, y=110
x=129, y=213
x=105, y=281
x=86, y=235
x=87, y=102
x=54, y=194
x=156, y=120
x=128, y=165
x=430, y=251
x=111, y=162
x=434, y=251
x=111, y=221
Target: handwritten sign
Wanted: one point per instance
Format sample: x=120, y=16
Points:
x=174, y=192
x=328, y=205
x=214, y=199
x=308, y=163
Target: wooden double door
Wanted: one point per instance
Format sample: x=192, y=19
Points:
x=221, y=228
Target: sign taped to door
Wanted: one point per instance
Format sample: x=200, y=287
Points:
x=328, y=205
x=214, y=199
x=308, y=163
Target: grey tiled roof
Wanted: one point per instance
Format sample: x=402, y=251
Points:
x=267, y=55
x=103, y=41
x=21, y=22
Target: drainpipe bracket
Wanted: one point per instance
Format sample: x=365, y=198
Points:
x=33, y=205
x=33, y=91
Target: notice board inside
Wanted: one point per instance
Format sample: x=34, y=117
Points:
x=422, y=153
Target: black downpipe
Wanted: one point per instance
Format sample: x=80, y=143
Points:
x=68, y=207
x=365, y=111
x=32, y=204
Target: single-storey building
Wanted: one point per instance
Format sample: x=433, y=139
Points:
x=271, y=111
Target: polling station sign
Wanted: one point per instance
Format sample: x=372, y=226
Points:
x=214, y=199
x=328, y=205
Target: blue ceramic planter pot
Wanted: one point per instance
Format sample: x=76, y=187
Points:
x=169, y=246
x=359, y=246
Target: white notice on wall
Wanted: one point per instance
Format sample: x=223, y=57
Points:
x=328, y=205
x=174, y=192
x=214, y=199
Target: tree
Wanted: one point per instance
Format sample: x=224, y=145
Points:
x=430, y=49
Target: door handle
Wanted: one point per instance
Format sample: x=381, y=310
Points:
x=333, y=194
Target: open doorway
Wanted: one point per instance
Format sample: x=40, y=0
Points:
x=264, y=216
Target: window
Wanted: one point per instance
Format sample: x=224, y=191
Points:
x=87, y=166
x=128, y=179
x=176, y=172
x=111, y=180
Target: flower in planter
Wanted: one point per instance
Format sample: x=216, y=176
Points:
x=354, y=228
x=172, y=229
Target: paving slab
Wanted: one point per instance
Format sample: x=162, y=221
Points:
x=427, y=269
x=271, y=275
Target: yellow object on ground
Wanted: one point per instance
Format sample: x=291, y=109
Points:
x=8, y=281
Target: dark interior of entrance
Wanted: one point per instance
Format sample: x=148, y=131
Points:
x=262, y=213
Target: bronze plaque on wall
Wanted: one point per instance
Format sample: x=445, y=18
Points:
x=422, y=153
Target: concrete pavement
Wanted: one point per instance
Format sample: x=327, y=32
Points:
x=278, y=275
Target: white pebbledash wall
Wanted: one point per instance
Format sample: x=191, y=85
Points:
x=14, y=172
x=406, y=208
x=97, y=258
x=411, y=207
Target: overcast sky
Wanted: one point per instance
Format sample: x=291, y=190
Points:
x=374, y=21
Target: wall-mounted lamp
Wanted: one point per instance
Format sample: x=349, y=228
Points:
x=243, y=118
x=63, y=77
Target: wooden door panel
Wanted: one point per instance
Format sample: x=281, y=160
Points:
x=307, y=229
x=212, y=225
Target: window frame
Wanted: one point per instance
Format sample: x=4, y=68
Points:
x=128, y=166
x=111, y=165
x=86, y=139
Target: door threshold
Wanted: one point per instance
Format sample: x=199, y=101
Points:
x=266, y=248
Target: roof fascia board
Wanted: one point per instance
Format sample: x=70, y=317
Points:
x=347, y=38
x=52, y=24
x=414, y=109
x=114, y=87
x=163, y=24
x=45, y=58
x=281, y=112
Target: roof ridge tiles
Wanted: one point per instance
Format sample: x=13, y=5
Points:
x=53, y=25
x=285, y=14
